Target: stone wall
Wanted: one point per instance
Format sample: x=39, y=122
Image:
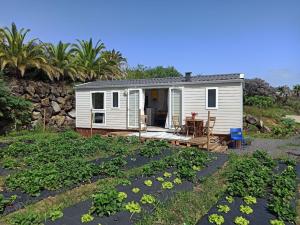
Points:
x=53, y=100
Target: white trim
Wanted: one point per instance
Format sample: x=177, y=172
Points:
x=242, y=76
x=217, y=98
x=99, y=110
x=139, y=106
x=112, y=99
x=170, y=105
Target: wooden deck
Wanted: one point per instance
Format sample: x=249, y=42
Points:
x=200, y=142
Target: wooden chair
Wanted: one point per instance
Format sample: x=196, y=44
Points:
x=189, y=126
x=208, y=130
x=176, y=124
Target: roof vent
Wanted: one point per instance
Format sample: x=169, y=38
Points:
x=188, y=76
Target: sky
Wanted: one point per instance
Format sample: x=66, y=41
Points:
x=260, y=38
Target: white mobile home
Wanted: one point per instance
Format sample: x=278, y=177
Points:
x=115, y=104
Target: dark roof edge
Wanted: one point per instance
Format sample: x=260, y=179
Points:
x=241, y=79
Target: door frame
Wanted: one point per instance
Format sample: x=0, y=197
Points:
x=139, y=104
x=170, y=106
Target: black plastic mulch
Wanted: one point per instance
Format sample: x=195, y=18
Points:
x=72, y=215
x=24, y=199
x=260, y=216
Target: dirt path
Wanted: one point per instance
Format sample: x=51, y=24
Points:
x=295, y=117
x=275, y=147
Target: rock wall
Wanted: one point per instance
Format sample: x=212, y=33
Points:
x=54, y=101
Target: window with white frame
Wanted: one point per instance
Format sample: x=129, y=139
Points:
x=115, y=99
x=98, y=107
x=212, y=98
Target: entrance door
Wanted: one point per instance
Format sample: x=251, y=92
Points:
x=175, y=105
x=133, y=108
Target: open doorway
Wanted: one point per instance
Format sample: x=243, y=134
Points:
x=156, y=107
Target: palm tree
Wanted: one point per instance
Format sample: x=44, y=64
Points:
x=62, y=58
x=284, y=92
x=296, y=90
x=88, y=58
x=113, y=64
x=18, y=56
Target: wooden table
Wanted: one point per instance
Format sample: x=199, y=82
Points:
x=197, y=124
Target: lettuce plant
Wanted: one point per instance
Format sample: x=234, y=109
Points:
x=135, y=190
x=148, y=183
x=133, y=207
x=167, y=174
x=276, y=222
x=216, y=219
x=246, y=209
x=249, y=200
x=229, y=199
x=85, y=218
x=147, y=199
x=167, y=185
x=177, y=181
x=223, y=208
x=160, y=179
x=239, y=220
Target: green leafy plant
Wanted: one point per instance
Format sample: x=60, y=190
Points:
x=276, y=222
x=56, y=214
x=148, y=183
x=167, y=185
x=246, y=209
x=223, y=208
x=122, y=196
x=249, y=200
x=152, y=148
x=283, y=192
x=196, y=168
x=229, y=199
x=216, y=219
x=133, y=207
x=107, y=202
x=147, y=199
x=85, y=218
x=26, y=219
x=167, y=174
x=177, y=181
x=239, y=220
x=135, y=190
x=160, y=179
x=6, y=201
x=259, y=101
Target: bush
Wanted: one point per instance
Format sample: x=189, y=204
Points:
x=14, y=110
x=259, y=101
x=286, y=127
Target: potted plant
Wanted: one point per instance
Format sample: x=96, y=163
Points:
x=194, y=114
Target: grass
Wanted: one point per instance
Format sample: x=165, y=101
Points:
x=298, y=207
x=188, y=207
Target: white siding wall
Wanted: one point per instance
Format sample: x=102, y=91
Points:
x=116, y=118
x=229, y=113
x=230, y=109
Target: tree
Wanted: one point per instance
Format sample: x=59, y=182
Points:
x=88, y=58
x=61, y=57
x=113, y=63
x=284, y=92
x=296, y=90
x=17, y=56
x=141, y=72
x=258, y=87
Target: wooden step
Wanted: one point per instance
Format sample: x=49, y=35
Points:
x=212, y=146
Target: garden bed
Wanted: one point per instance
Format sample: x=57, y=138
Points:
x=73, y=215
x=131, y=161
x=272, y=194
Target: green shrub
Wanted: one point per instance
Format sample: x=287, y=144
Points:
x=259, y=101
x=286, y=127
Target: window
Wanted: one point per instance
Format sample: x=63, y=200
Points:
x=99, y=117
x=98, y=107
x=98, y=100
x=115, y=99
x=211, y=98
